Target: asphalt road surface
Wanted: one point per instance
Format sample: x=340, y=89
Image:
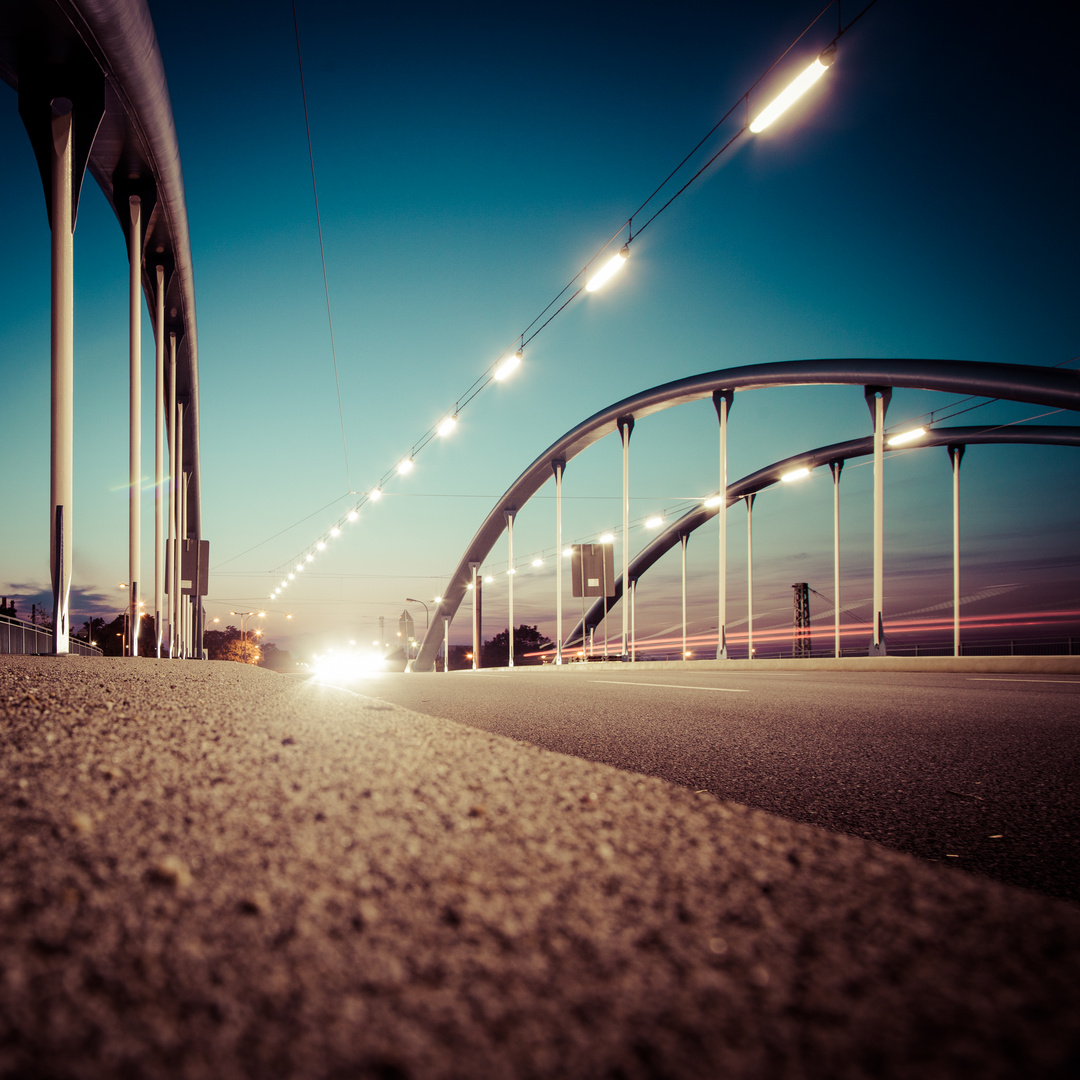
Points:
x=977, y=771
x=210, y=870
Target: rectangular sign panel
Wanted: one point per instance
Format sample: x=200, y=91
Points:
x=592, y=570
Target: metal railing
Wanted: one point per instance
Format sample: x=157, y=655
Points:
x=1035, y=646
x=17, y=636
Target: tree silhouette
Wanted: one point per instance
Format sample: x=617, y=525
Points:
x=527, y=639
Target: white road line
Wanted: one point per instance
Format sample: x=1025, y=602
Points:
x=672, y=686
x=1006, y=678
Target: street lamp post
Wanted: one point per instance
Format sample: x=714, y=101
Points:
x=244, y=616
x=427, y=617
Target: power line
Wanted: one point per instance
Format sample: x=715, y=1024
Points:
x=322, y=250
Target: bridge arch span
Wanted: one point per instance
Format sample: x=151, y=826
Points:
x=1052, y=387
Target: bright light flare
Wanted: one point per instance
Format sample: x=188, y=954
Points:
x=348, y=666
x=447, y=425
x=712, y=500
x=507, y=365
x=608, y=270
x=335, y=531
x=538, y=562
x=793, y=92
x=376, y=494
x=794, y=474
x=906, y=436
x=654, y=522
x=606, y=538
x=568, y=553
x=405, y=466
x=352, y=515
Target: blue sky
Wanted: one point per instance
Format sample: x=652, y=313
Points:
x=920, y=202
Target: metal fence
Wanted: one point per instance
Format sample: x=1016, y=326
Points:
x=17, y=636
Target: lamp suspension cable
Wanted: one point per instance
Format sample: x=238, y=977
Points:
x=322, y=249
x=511, y=357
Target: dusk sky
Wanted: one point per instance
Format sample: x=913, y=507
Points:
x=919, y=202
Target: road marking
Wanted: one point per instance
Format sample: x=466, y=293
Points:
x=673, y=686
x=1006, y=678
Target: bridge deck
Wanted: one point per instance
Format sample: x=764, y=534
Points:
x=211, y=869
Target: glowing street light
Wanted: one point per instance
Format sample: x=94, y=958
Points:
x=794, y=91
x=654, y=522
x=606, y=538
x=320, y=546
x=506, y=366
x=906, y=436
x=795, y=474
x=538, y=562
x=712, y=500
x=405, y=466
x=608, y=270
x=447, y=425
x=375, y=494
x=352, y=515
x=335, y=531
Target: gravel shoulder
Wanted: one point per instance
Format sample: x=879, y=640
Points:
x=211, y=870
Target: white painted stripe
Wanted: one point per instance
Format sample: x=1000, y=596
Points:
x=672, y=686
x=1008, y=678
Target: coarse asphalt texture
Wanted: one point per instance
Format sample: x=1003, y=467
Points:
x=210, y=870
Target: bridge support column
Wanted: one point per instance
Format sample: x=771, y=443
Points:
x=626, y=428
x=477, y=584
x=559, y=467
x=159, y=458
x=63, y=371
x=877, y=398
x=750, y=576
x=173, y=491
x=185, y=604
x=722, y=400
x=177, y=604
x=836, y=467
x=683, y=538
x=135, y=418
x=510, y=515
x=956, y=454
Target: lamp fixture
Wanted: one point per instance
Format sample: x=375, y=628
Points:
x=794, y=90
x=608, y=270
x=795, y=474
x=906, y=436
x=507, y=365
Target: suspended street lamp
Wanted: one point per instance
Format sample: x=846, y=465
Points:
x=795, y=90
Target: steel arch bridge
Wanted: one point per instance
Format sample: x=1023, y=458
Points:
x=1050, y=387
x=663, y=542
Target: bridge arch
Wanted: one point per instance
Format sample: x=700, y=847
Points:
x=1051, y=387
x=751, y=484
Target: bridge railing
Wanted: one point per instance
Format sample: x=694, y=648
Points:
x=17, y=636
